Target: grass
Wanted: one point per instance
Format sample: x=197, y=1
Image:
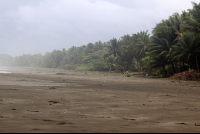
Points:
x=87, y=71
x=101, y=72
x=131, y=73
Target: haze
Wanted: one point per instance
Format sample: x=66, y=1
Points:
x=40, y=26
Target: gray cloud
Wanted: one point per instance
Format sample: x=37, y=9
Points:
x=29, y=27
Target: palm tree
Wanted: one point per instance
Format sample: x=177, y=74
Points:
x=110, y=61
x=165, y=35
x=90, y=48
x=114, y=49
x=160, y=62
x=142, y=43
x=188, y=47
x=192, y=20
x=127, y=42
x=141, y=47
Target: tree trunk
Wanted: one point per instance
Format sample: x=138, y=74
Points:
x=173, y=69
x=130, y=67
x=110, y=68
x=176, y=67
x=197, y=64
x=116, y=65
x=164, y=72
x=138, y=66
x=183, y=65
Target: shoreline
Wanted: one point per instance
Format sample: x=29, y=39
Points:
x=36, y=100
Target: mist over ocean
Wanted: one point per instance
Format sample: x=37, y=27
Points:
x=4, y=70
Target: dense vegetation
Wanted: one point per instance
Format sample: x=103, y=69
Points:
x=173, y=47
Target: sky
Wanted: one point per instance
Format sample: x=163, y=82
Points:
x=40, y=26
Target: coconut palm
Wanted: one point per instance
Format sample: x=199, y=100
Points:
x=165, y=35
x=110, y=59
x=114, y=49
x=160, y=63
x=127, y=42
x=188, y=47
x=192, y=20
x=142, y=43
x=141, y=47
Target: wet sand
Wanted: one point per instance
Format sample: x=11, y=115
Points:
x=49, y=101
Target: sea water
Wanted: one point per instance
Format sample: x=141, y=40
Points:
x=3, y=71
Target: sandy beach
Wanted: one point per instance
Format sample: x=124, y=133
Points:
x=58, y=101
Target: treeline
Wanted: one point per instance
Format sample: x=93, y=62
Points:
x=86, y=57
x=173, y=47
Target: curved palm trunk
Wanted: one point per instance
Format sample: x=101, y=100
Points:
x=109, y=69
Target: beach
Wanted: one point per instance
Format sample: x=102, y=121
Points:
x=60, y=101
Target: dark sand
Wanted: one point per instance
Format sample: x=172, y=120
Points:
x=51, y=101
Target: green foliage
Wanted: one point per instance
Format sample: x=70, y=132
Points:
x=82, y=68
x=94, y=56
x=99, y=65
x=192, y=19
x=147, y=63
x=70, y=66
x=173, y=47
x=6, y=60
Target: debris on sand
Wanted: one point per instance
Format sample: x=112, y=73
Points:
x=187, y=75
x=60, y=73
x=52, y=88
x=53, y=102
x=196, y=124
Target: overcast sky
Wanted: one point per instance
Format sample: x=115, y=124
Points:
x=40, y=26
